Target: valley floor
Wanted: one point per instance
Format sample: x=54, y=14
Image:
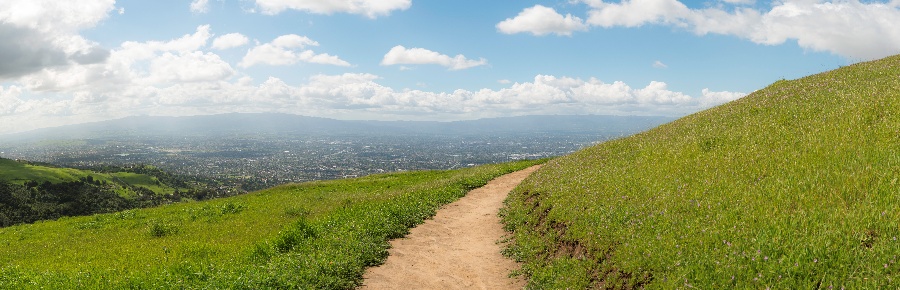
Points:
x=458, y=249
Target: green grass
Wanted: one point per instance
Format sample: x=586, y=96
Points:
x=317, y=235
x=792, y=187
x=20, y=172
x=142, y=180
x=12, y=171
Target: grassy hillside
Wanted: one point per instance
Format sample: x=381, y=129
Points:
x=794, y=186
x=13, y=171
x=20, y=172
x=317, y=235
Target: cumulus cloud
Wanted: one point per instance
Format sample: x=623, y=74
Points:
x=51, y=15
x=200, y=6
x=288, y=50
x=747, y=2
x=9, y=99
x=230, y=40
x=40, y=34
x=189, y=67
x=136, y=65
x=369, y=8
x=403, y=55
x=632, y=13
x=848, y=28
x=540, y=20
x=23, y=51
x=186, y=43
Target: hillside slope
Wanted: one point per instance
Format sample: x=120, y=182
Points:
x=793, y=186
x=31, y=192
x=315, y=235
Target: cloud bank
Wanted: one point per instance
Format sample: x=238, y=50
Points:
x=849, y=28
x=350, y=95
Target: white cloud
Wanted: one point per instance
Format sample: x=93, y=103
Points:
x=9, y=99
x=187, y=43
x=200, y=6
x=55, y=16
x=230, y=40
x=39, y=34
x=540, y=20
x=189, y=67
x=293, y=41
x=746, y=2
x=402, y=55
x=286, y=50
x=852, y=29
x=659, y=64
x=632, y=13
x=504, y=81
x=369, y=8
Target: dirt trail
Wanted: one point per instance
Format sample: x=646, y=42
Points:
x=457, y=249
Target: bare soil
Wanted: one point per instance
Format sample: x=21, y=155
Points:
x=458, y=249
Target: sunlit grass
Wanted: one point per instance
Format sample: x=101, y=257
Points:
x=12, y=171
x=142, y=180
x=311, y=236
x=794, y=186
x=19, y=173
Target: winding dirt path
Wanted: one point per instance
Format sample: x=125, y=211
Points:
x=457, y=249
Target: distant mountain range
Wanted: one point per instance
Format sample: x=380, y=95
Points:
x=273, y=123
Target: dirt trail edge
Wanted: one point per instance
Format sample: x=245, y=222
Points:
x=457, y=249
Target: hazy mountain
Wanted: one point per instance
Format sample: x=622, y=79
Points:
x=272, y=123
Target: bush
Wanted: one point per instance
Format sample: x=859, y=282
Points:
x=160, y=229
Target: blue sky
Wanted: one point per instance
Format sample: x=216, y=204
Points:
x=70, y=62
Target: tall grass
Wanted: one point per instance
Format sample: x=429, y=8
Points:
x=318, y=235
x=792, y=187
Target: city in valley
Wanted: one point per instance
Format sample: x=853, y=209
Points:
x=246, y=152
x=258, y=162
